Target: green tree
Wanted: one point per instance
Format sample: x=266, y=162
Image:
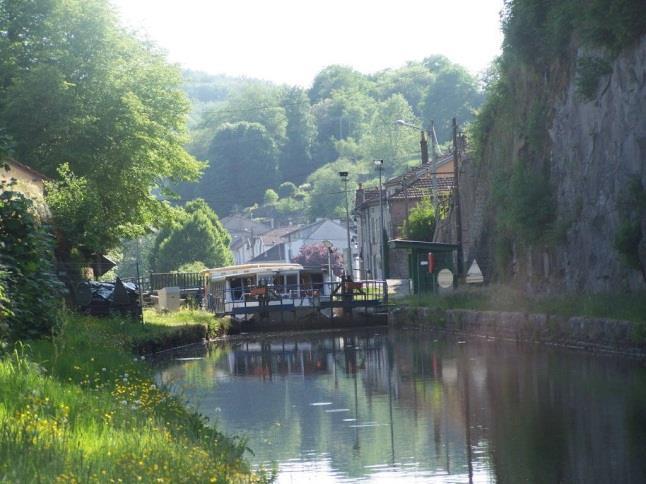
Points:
x=420, y=224
x=296, y=156
x=244, y=162
x=287, y=189
x=107, y=103
x=336, y=78
x=387, y=141
x=196, y=236
x=409, y=81
x=271, y=197
x=346, y=114
x=453, y=93
x=257, y=102
x=327, y=197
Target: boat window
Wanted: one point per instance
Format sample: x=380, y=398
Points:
x=292, y=281
x=317, y=281
x=265, y=279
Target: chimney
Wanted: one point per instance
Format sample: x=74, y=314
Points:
x=360, y=193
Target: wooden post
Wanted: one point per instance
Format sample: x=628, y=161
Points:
x=456, y=198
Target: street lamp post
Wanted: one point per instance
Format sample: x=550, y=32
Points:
x=379, y=164
x=328, y=245
x=348, y=264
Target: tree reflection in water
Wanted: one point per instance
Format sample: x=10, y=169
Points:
x=411, y=404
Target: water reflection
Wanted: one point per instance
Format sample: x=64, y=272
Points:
x=406, y=406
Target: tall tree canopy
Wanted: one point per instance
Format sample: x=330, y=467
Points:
x=296, y=157
x=244, y=161
x=77, y=88
x=345, y=115
x=196, y=236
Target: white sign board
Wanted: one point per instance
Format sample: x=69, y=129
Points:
x=474, y=274
x=445, y=278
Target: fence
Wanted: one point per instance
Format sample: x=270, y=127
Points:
x=271, y=298
x=183, y=280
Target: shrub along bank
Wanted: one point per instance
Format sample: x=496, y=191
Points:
x=81, y=408
x=625, y=306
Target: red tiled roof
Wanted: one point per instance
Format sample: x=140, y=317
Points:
x=419, y=171
x=422, y=187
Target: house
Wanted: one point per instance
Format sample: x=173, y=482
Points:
x=28, y=181
x=244, y=231
x=269, y=241
x=31, y=183
x=290, y=241
x=400, y=195
x=315, y=233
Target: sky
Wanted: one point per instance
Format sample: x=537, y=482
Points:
x=290, y=41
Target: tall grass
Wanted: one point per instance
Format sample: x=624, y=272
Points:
x=627, y=306
x=82, y=408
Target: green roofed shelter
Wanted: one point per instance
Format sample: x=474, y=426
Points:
x=423, y=256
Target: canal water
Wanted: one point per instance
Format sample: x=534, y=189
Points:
x=411, y=406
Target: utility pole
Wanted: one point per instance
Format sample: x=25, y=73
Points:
x=423, y=144
x=434, y=192
x=456, y=197
x=348, y=264
x=380, y=166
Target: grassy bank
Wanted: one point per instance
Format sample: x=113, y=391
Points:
x=631, y=307
x=81, y=408
x=167, y=330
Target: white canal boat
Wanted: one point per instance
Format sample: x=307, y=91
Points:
x=248, y=289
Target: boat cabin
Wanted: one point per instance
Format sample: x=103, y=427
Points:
x=247, y=288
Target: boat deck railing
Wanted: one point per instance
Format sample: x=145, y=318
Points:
x=271, y=298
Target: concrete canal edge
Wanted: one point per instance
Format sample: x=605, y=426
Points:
x=591, y=334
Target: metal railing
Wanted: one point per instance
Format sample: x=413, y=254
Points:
x=183, y=280
x=270, y=298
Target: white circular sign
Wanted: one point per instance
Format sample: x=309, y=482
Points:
x=445, y=278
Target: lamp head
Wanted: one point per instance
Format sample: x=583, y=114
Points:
x=343, y=174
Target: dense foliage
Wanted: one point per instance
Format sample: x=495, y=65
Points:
x=195, y=239
x=287, y=134
x=29, y=288
x=77, y=88
x=420, y=224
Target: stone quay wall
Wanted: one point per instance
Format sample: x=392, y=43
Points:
x=592, y=334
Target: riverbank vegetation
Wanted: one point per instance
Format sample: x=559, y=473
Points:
x=79, y=407
x=626, y=306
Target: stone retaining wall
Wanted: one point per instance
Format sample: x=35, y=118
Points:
x=595, y=334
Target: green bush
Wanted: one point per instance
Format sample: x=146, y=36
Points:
x=29, y=289
x=420, y=224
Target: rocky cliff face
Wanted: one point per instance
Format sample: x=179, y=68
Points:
x=596, y=151
x=598, y=147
